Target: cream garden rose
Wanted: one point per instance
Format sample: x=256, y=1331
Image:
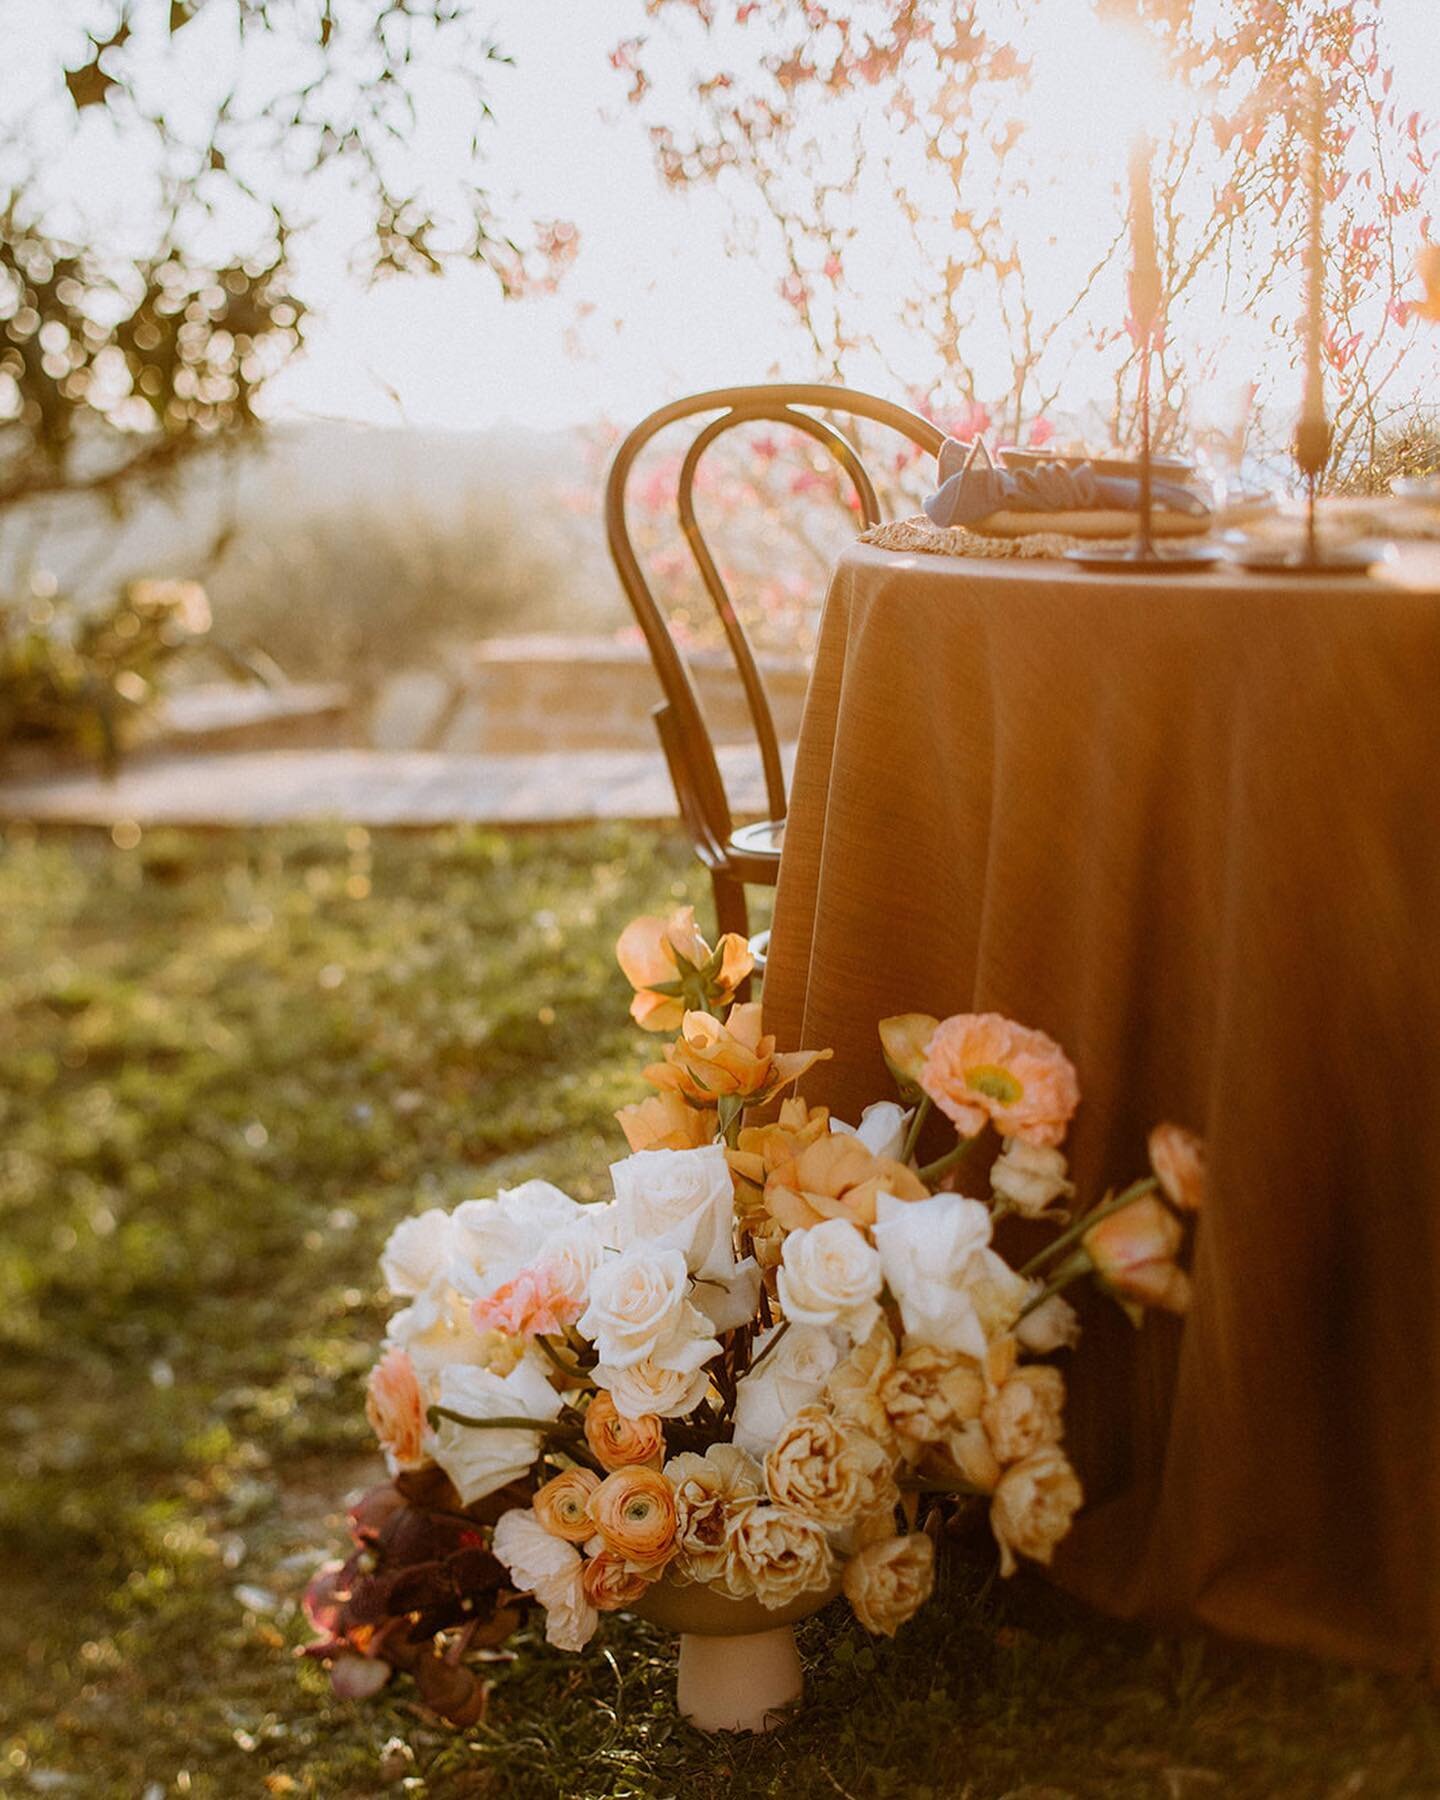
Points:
x=709, y=1490
x=888, y=1582
x=854, y=1390
x=493, y=1240
x=648, y=1389
x=480, y=1461
x=831, y=1275
x=1027, y=1412
x=777, y=1554
x=416, y=1251
x=1032, y=1507
x=828, y=1470
x=637, y=1300
x=1029, y=1178
x=929, y=1393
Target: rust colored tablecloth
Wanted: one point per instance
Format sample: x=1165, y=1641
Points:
x=1191, y=828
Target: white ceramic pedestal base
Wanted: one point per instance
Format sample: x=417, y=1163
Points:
x=739, y=1683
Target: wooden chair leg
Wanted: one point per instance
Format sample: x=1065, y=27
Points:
x=731, y=912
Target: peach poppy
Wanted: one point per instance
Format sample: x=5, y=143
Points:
x=981, y=1066
x=836, y=1177
x=650, y=950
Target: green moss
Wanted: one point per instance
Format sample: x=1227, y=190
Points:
x=231, y=1064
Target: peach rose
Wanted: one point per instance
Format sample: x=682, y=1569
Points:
x=1029, y=1178
x=711, y=1060
x=528, y=1306
x=634, y=1513
x=1026, y=1414
x=1033, y=1506
x=396, y=1410
x=666, y=1121
x=562, y=1505
x=650, y=951
x=1178, y=1158
x=980, y=1066
x=621, y=1443
x=829, y=1471
x=888, y=1582
x=965, y=1456
x=836, y=1177
x=1133, y=1252
x=610, y=1583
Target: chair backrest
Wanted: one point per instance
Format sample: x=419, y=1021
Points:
x=807, y=408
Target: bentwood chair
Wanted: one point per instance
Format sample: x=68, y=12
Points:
x=751, y=853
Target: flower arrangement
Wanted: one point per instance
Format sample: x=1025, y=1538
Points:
x=760, y=1366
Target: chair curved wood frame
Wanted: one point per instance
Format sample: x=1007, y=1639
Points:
x=750, y=854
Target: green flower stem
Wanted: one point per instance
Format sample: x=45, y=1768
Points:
x=917, y=1124
x=546, y=1427
x=1074, y=1266
x=1135, y=1191
x=944, y=1164
x=568, y=1369
x=780, y=1331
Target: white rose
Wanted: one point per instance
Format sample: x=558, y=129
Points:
x=678, y=1200
x=881, y=1129
x=728, y=1304
x=830, y=1275
x=647, y=1389
x=494, y=1239
x=436, y=1330
x=637, y=1300
x=415, y=1252
x=550, y=1569
x=570, y=1258
x=1054, y=1324
x=929, y=1250
x=1030, y=1176
x=480, y=1460
x=791, y=1376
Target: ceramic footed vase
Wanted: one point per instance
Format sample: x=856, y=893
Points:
x=739, y=1665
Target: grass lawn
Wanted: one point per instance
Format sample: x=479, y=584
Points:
x=228, y=1065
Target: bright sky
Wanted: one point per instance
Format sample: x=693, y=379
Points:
x=677, y=304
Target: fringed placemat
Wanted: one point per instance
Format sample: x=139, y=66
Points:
x=918, y=533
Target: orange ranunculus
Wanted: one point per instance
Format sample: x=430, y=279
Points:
x=618, y=1442
x=1133, y=1252
x=561, y=1505
x=836, y=1177
x=761, y=1149
x=650, y=951
x=610, y=1583
x=1178, y=1158
x=712, y=1061
x=904, y=1040
x=982, y=1066
x=1427, y=264
x=666, y=1121
x=634, y=1513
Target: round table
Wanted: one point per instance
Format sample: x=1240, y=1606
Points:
x=1189, y=826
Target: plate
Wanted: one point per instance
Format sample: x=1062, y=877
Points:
x=1291, y=559
x=1163, y=468
x=1168, y=558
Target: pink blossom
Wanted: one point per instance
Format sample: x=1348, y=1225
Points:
x=1041, y=433
x=531, y=1304
x=396, y=1410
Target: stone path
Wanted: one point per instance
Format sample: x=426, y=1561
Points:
x=370, y=787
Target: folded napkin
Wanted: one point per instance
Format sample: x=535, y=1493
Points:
x=972, y=488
